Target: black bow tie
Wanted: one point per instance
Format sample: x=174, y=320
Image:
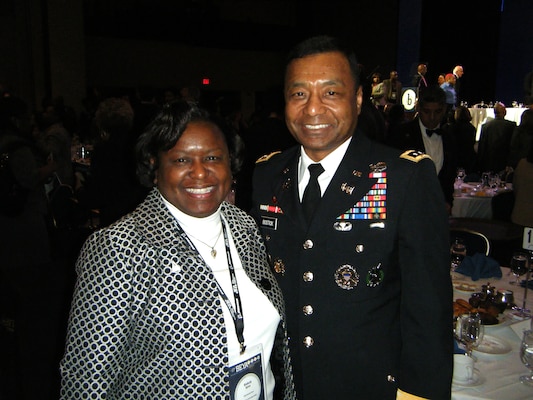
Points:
x=430, y=132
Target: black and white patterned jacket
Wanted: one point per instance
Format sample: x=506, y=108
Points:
x=146, y=321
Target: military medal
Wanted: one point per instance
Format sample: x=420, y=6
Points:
x=346, y=277
x=375, y=276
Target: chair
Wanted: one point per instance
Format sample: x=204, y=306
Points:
x=475, y=242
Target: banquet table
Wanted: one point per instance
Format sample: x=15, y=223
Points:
x=498, y=370
x=482, y=115
x=473, y=203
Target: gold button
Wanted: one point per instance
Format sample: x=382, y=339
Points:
x=359, y=248
x=308, y=276
x=308, y=244
x=308, y=309
x=391, y=378
x=308, y=341
x=267, y=238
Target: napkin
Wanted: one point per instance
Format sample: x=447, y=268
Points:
x=479, y=266
x=529, y=283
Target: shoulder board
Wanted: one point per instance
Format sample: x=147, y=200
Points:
x=266, y=157
x=414, y=155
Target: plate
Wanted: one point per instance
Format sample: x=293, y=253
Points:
x=465, y=287
x=503, y=319
x=475, y=381
x=491, y=345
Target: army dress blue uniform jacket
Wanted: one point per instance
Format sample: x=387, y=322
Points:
x=146, y=320
x=367, y=289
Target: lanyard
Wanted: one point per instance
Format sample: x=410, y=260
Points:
x=236, y=313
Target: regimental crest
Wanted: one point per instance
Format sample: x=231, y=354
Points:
x=375, y=276
x=346, y=277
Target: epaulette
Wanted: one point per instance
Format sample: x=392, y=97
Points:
x=414, y=155
x=267, y=157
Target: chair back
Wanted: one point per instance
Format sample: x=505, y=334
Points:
x=475, y=242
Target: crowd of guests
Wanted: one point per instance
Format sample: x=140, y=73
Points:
x=145, y=148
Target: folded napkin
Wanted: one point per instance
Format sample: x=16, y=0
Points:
x=529, y=283
x=479, y=266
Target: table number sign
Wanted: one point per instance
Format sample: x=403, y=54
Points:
x=527, y=242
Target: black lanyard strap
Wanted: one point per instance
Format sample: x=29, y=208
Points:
x=236, y=312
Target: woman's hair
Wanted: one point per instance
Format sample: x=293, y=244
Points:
x=163, y=132
x=114, y=115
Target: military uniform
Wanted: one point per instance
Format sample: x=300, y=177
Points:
x=366, y=284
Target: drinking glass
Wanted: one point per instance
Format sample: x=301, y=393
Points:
x=458, y=253
x=519, y=266
x=471, y=332
x=526, y=356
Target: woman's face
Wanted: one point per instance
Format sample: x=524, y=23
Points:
x=195, y=175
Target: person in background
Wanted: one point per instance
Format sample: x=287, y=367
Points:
x=458, y=72
x=495, y=141
x=353, y=277
x=522, y=213
x=464, y=134
x=419, y=79
x=441, y=79
x=424, y=133
x=392, y=89
x=30, y=286
x=378, y=93
x=176, y=300
x=522, y=139
x=112, y=186
x=449, y=88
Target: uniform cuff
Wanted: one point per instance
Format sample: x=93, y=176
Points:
x=401, y=395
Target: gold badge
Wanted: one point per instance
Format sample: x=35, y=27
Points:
x=347, y=188
x=266, y=157
x=279, y=266
x=378, y=167
x=346, y=277
x=414, y=155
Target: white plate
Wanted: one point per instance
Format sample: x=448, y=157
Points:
x=491, y=345
x=465, y=287
x=504, y=320
x=475, y=381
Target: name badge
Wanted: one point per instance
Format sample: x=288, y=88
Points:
x=246, y=376
x=269, y=222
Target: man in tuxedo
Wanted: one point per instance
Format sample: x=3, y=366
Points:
x=342, y=217
x=424, y=133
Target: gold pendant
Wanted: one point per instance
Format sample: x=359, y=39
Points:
x=213, y=253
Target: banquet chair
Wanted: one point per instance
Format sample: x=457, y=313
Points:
x=475, y=242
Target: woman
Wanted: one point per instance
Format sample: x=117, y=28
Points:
x=155, y=314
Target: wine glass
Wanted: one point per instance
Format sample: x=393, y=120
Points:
x=519, y=265
x=526, y=356
x=471, y=332
x=458, y=253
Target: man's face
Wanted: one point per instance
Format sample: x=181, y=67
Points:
x=322, y=102
x=431, y=114
x=459, y=72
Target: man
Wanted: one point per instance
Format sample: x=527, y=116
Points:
x=495, y=141
x=368, y=303
x=458, y=72
x=392, y=88
x=449, y=88
x=424, y=133
x=419, y=79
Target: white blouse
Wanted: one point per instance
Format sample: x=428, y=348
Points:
x=261, y=318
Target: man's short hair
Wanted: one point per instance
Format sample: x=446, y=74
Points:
x=325, y=44
x=432, y=94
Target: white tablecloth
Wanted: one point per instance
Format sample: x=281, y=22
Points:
x=467, y=205
x=481, y=115
x=499, y=373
